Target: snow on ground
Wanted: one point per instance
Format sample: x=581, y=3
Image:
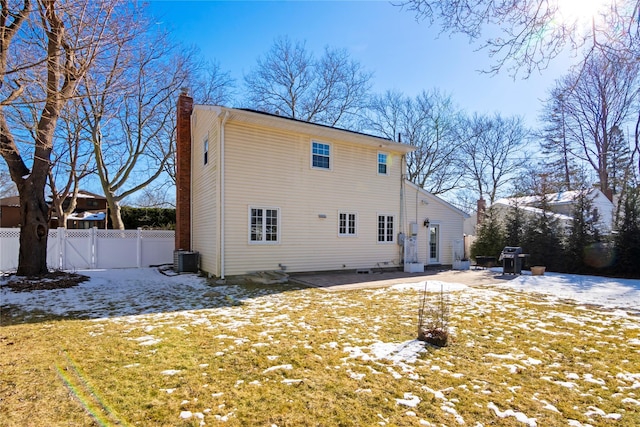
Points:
x=117, y=292
x=152, y=296
x=122, y=292
x=603, y=291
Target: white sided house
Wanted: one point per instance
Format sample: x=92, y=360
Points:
x=260, y=192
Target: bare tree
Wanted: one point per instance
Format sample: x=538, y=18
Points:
x=153, y=197
x=210, y=85
x=7, y=187
x=493, y=153
x=128, y=112
x=54, y=42
x=530, y=33
x=290, y=81
x=596, y=100
x=558, y=161
x=427, y=122
x=71, y=163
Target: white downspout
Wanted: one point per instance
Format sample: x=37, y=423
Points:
x=222, y=204
x=402, y=219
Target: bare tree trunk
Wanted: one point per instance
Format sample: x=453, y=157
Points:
x=34, y=230
x=114, y=210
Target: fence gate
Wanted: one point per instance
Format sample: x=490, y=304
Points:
x=77, y=249
x=69, y=249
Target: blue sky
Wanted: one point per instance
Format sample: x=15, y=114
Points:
x=403, y=54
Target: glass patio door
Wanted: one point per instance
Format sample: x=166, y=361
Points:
x=434, y=244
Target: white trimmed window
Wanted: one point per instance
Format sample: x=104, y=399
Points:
x=264, y=225
x=320, y=155
x=347, y=224
x=382, y=164
x=206, y=150
x=385, y=228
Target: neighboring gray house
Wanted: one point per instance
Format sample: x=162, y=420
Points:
x=560, y=204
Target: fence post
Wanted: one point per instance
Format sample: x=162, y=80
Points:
x=93, y=242
x=62, y=234
x=139, y=247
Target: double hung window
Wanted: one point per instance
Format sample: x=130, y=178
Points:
x=382, y=164
x=320, y=155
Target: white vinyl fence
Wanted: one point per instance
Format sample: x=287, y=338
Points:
x=94, y=248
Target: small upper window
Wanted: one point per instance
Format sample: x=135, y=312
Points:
x=320, y=155
x=206, y=150
x=382, y=163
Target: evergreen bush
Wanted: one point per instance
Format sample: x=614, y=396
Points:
x=148, y=218
x=490, y=239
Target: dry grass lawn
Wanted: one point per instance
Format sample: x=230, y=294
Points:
x=305, y=357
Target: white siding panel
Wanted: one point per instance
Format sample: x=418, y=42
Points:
x=204, y=191
x=267, y=168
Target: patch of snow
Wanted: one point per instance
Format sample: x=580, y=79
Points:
x=566, y=384
x=589, y=378
x=592, y=410
x=355, y=376
x=431, y=286
x=275, y=368
x=408, y=351
x=453, y=412
x=409, y=400
x=531, y=422
x=576, y=423
x=170, y=372
x=508, y=356
x=436, y=393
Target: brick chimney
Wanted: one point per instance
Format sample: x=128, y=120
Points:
x=183, y=171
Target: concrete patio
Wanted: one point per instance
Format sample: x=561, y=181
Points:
x=343, y=281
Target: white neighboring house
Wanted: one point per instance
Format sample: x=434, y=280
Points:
x=560, y=204
x=261, y=192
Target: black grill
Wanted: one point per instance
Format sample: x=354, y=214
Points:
x=512, y=259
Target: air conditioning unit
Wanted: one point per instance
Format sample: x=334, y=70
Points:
x=185, y=261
